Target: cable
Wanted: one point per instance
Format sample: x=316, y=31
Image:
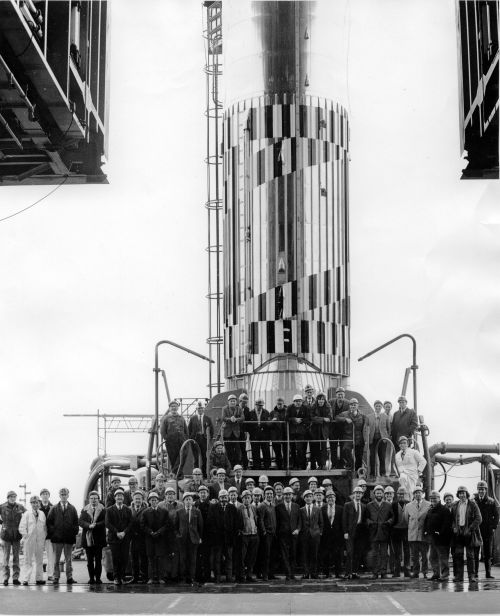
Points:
x=38, y=201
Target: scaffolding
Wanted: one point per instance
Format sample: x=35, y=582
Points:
x=212, y=34
x=121, y=423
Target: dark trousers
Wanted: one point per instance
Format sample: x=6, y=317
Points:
x=355, y=547
x=462, y=543
x=237, y=564
x=203, y=563
x=243, y=451
x=401, y=548
x=309, y=549
x=373, y=453
x=260, y=453
x=156, y=567
x=94, y=561
x=223, y=552
x=279, y=454
x=265, y=547
x=438, y=556
x=298, y=454
x=249, y=547
x=317, y=452
x=379, y=555
x=139, y=557
x=187, y=554
x=202, y=444
x=233, y=449
x=330, y=555
x=120, y=552
x=487, y=550
x=174, y=444
x=288, y=548
x=347, y=455
x=418, y=553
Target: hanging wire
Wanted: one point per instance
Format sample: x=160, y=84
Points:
x=37, y=201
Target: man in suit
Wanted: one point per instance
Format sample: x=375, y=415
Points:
x=339, y=405
x=157, y=528
x=62, y=527
x=201, y=430
x=237, y=481
x=299, y=421
x=203, y=558
x=92, y=521
x=332, y=540
x=257, y=424
x=404, y=422
x=119, y=524
x=223, y=524
x=379, y=518
x=377, y=427
x=351, y=428
x=399, y=535
x=466, y=523
x=288, y=525
x=311, y=522
x=437, y=529
x=189, y=535
x=489, y=515
x=221, y=483
x=278, y=433
x=249, y=536
x=138, y=553
x=232, y=429
x=415, y=514
x=267, y=530
x=353, y=521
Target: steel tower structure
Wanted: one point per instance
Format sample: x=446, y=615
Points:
x=212, y=34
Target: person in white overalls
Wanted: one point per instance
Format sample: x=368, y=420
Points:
x=33, y=529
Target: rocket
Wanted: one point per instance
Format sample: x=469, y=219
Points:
x=286, y=187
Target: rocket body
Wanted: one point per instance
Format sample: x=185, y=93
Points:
x=286, y=160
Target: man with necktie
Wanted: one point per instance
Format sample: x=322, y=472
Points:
x=62, y=526
x=257, y=425
x=332, y=540
x=138, y=554
x=189, y=536
x=310, y=535
x=119, y=524
x=157, y=528
x=92, y=520
x=223, y=523
x=238, y=481
x=249, y=537
x=201, y=430
x=288, y=525
x=379, y=519
x=377, y=428
x=353, y=523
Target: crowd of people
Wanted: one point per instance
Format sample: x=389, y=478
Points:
x=310, y=423
x=234, y=529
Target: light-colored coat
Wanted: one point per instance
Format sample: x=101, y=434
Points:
x=415, y=517
x=33, y=530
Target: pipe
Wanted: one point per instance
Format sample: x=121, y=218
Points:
x=462, y=448
x=122, y=463
x=444, y=459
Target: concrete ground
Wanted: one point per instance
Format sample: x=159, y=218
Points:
x=400, y=597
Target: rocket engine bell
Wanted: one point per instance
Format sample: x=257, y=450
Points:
x=286, y=161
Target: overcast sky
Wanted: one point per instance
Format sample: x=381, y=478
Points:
x=94, y=276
